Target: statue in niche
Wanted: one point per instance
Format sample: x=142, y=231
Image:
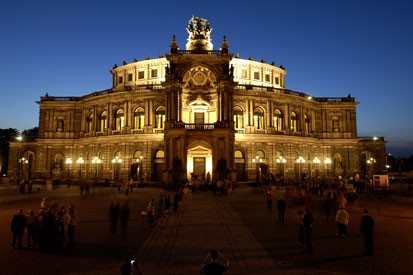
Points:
x=60, y=125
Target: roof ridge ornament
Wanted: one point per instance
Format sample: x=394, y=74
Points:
x=199, y=35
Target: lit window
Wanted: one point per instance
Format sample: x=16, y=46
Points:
x=160, y=117
x=119, y=120
x=89, y=123
x=278, y=120
x=138, y=118
x=238, y=118
x=307, y=125
x=258, y=118
x=294, y=122
x=102, y=121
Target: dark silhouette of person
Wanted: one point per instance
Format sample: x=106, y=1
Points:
x=212, y=265
x=18, y=224
x=308, y=230
x=124, y=216
x=113, y=215
x=366, y=229
x=281, y=206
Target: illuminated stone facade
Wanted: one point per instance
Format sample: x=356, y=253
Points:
x=192, y=112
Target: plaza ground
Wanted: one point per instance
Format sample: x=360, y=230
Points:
x=238, y=225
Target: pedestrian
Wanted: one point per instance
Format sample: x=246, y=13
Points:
x=281, y=206
x=167, y=202
x=151, y=212
x=308, y=230
x=342, y=219
x=300, y=225
x=269, y=200
x=18, y=225
x=71, y=221
x=329, y=206
x=214, y=264
x=114, y=215
x=31, y=228
x=366, y=229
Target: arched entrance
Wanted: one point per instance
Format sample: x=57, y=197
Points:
x=199, y=160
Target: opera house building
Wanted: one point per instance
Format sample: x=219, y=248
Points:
x=200, y=112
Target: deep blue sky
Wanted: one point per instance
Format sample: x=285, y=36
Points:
x=329, y=48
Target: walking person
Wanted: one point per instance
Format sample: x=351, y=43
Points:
x=308, y=230
x=167, y=202
x=269, y=200
x=366, y=229
x=18, y=225
x=281, y=206
x=342, y=219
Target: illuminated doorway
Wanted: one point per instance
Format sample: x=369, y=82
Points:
x=199, y=160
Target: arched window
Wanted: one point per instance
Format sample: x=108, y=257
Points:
x=160, y=117
x=278, y=120
x=261, y=154
x=258, y=118
x=138, y=118
x=238, y=154
x=238, y=117
x=307, y=124
x=103, y=121
x=294, y=122
x=160, y=154
x=119, y=120
x=89, y=123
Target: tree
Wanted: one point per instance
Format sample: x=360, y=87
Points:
x=30, y=134
x=6, y=135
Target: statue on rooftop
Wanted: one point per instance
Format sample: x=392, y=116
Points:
x=199, y=38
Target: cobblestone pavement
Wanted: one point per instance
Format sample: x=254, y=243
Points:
x=238, y=225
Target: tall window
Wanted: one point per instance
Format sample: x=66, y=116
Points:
x=258, y=118
x=141, y=75
x=154, y=73
x=160, y=117
x=294, y=122
x=138, y=118
x=238, y=117
x=119, y=120
x=278, y=120
x=103, y=122
x=89, y=123
x=307, y=124
x=256, y=75
x=336, y=125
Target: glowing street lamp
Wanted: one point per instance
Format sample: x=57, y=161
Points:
x=116, y=161
x=23, y=162
x=68, y=163
x=80, y=161
x=281, y=160
x=316, y=161
x=257, y=160
x=140, y=168
x=327, y=162
x=97, y=161
x=371, y=162
x=300, y=161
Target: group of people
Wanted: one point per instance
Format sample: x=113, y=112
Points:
x=51, y=228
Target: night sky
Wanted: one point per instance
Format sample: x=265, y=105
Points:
x=329, y=48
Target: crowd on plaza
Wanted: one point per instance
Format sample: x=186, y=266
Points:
x=52, y=228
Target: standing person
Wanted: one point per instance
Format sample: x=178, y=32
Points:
x=71, y=221
x=342, y=218
x=269, y=200
x=366, y=229
x=31, y=228
x=300, y=224
x=114, y=215
x=18, y=225
x=281, y=206
x=329, y=206
x=308, y=230
x=212, y=265
x=151, y=212
x=167, y=202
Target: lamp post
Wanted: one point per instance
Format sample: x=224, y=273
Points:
x=96, y=160
x=371, y=162
x=80, y=161
x=316, y=161
x=257, y=160
x=68, y=163
x=140, y=168
x=300, y=161
x=22, y=164
x=281, y=160
x=327, y=162
x=116, y=161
